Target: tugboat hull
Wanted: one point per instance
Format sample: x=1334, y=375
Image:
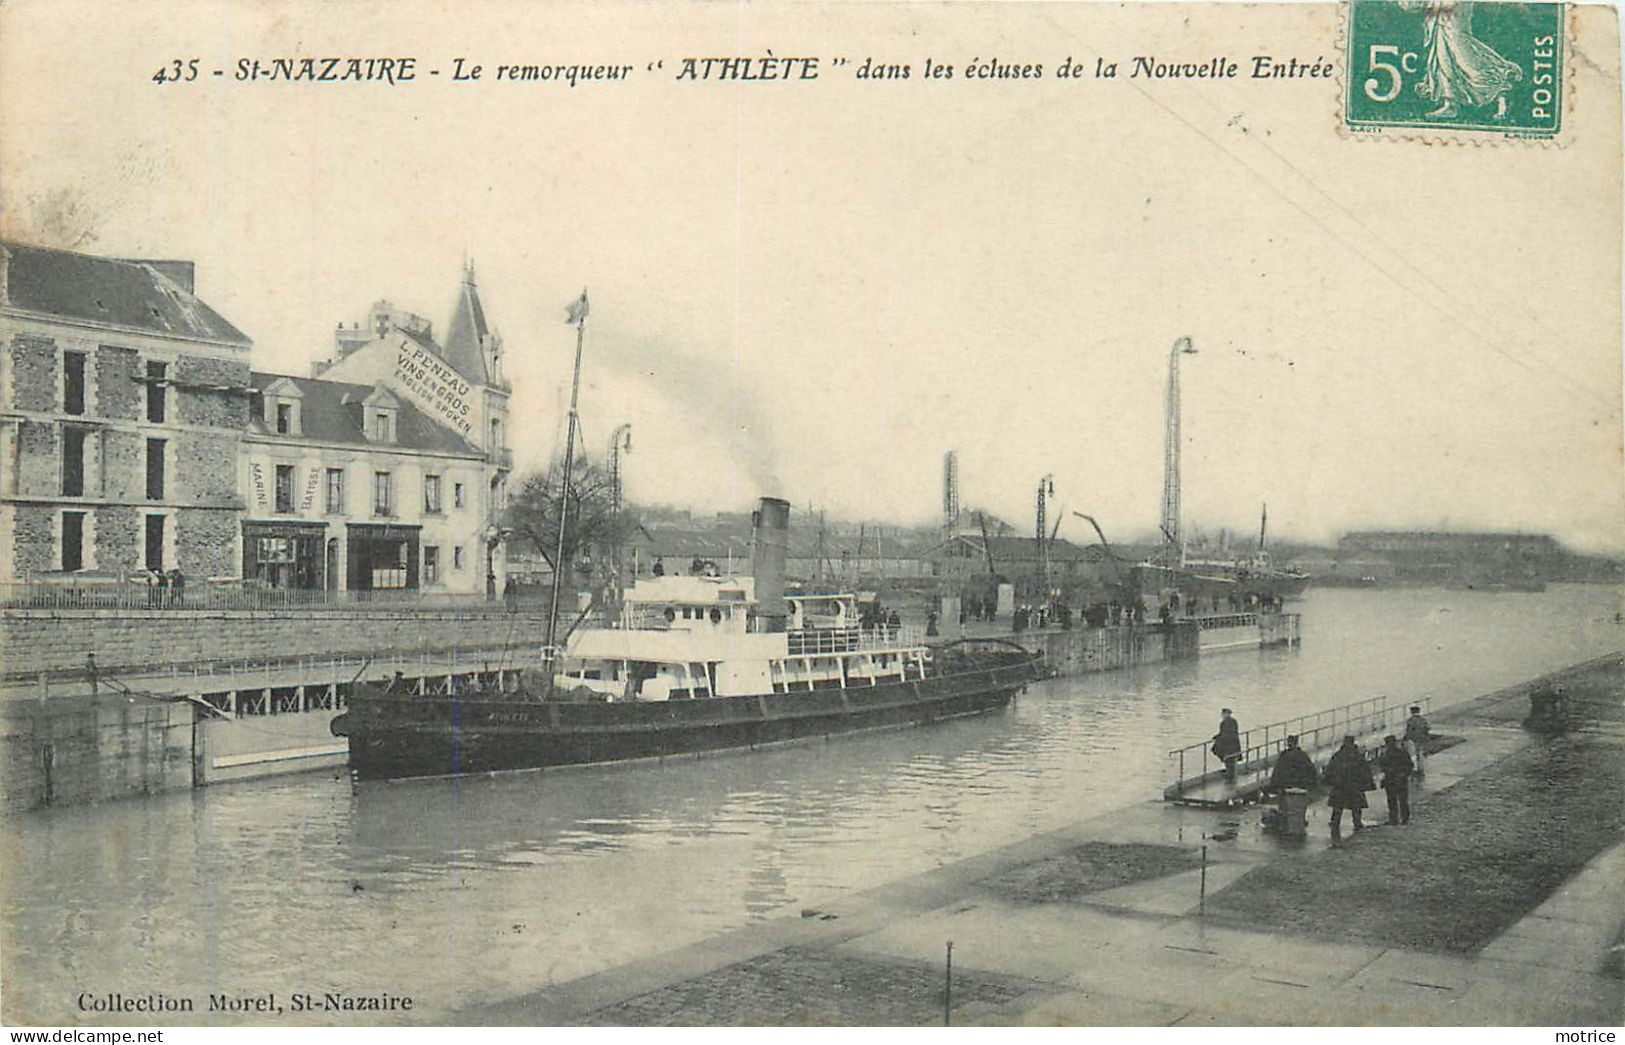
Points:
x=404, y=735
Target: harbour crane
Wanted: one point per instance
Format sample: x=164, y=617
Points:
x=1173, y=548
x=1046, y=489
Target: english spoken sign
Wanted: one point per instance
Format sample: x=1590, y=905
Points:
x=435, y=386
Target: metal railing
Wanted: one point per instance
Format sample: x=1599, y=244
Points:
x=282, y=685
x=119, y=593
x=853, y=639
x=1261, y=744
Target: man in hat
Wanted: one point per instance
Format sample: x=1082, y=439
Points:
x=1416, y=738
x=1294, y=774
x=1227, y=744
x=1349, y=778
x=1396, y=774
x=1294, y=768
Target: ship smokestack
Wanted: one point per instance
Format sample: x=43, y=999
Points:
x=770, y=543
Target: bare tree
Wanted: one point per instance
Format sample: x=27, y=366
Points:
x=533, y=515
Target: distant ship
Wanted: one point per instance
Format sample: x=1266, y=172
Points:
x=1250, y=578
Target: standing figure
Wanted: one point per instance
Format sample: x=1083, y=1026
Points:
x=931, y=624
x=1416, y=738
x=1349, y=777
x=1294, y=774
x=1460, y=68
x=1396, y=774
x=1227, y=744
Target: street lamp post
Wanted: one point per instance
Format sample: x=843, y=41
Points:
x=493, y=537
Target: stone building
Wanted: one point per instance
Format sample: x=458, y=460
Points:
x=123, y=398
x=388, y=468
x=352, y=488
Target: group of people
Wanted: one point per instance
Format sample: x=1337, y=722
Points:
x=876, y=618
x=166, y=588
x=1348, y=776
x=1042, y=615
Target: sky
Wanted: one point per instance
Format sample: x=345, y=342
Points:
x=815, y=289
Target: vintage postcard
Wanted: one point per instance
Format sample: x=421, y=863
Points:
x=793, y=513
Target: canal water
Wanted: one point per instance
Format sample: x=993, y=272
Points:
x=470, y=891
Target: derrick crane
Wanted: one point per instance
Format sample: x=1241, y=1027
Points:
x=1173, y=548
x=1046, y=489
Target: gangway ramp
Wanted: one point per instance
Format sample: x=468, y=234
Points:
x=1199, y=776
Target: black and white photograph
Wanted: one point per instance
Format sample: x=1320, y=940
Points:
x=780, y=513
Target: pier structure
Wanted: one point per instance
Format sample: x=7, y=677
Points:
x=1200, y=778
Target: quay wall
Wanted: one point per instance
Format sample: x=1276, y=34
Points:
x=1079, y=651
x=74, y=750
x=55, y=642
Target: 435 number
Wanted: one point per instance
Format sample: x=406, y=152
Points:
x=176, y=71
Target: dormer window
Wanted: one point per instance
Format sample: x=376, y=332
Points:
x=282, y=401
x=380, y=413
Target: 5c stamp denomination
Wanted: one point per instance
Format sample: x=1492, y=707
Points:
x=1455, y=65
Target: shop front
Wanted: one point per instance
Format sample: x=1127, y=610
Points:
x=285, y=554
x=383, y=557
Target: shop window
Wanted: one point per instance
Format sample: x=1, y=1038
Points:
x=456, y=495
x=73, y=462
x=157, y=385
x=155, y=469
x=388, y=565
x=73, y=383
x=383, y=490
x=431, y=564
x=335, y=491
x=73, y=540
x=284, y=488
x=155, y=542
x=431, y=494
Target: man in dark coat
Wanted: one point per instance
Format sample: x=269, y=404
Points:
x=1349, y=778
x=1294, y=768
x=1227, y=744
x=1396, y=768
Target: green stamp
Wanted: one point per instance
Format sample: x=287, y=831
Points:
x=1455, y=65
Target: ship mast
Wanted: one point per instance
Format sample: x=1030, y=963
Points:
x=1173, y=547
x=577, y=318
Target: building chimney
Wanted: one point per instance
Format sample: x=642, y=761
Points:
x=769, y=545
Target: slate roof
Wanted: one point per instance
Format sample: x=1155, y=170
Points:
x=465, y=336
x=331, y=412
x=130, y=294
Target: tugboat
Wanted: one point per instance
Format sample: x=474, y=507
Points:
x=692, y=664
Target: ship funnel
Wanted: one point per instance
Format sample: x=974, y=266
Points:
x=770, y=543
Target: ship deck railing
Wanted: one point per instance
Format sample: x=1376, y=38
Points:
x=1200, y=776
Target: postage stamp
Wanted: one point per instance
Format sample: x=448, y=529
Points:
x=1455, y=65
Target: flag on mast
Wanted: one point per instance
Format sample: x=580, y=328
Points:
x=577, y=312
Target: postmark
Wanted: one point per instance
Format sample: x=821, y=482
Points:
x=1449, y=66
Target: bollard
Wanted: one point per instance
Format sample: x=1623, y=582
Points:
x=1201, y=902
x=948, y=987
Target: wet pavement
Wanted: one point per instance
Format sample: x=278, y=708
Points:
x=1144, y=952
